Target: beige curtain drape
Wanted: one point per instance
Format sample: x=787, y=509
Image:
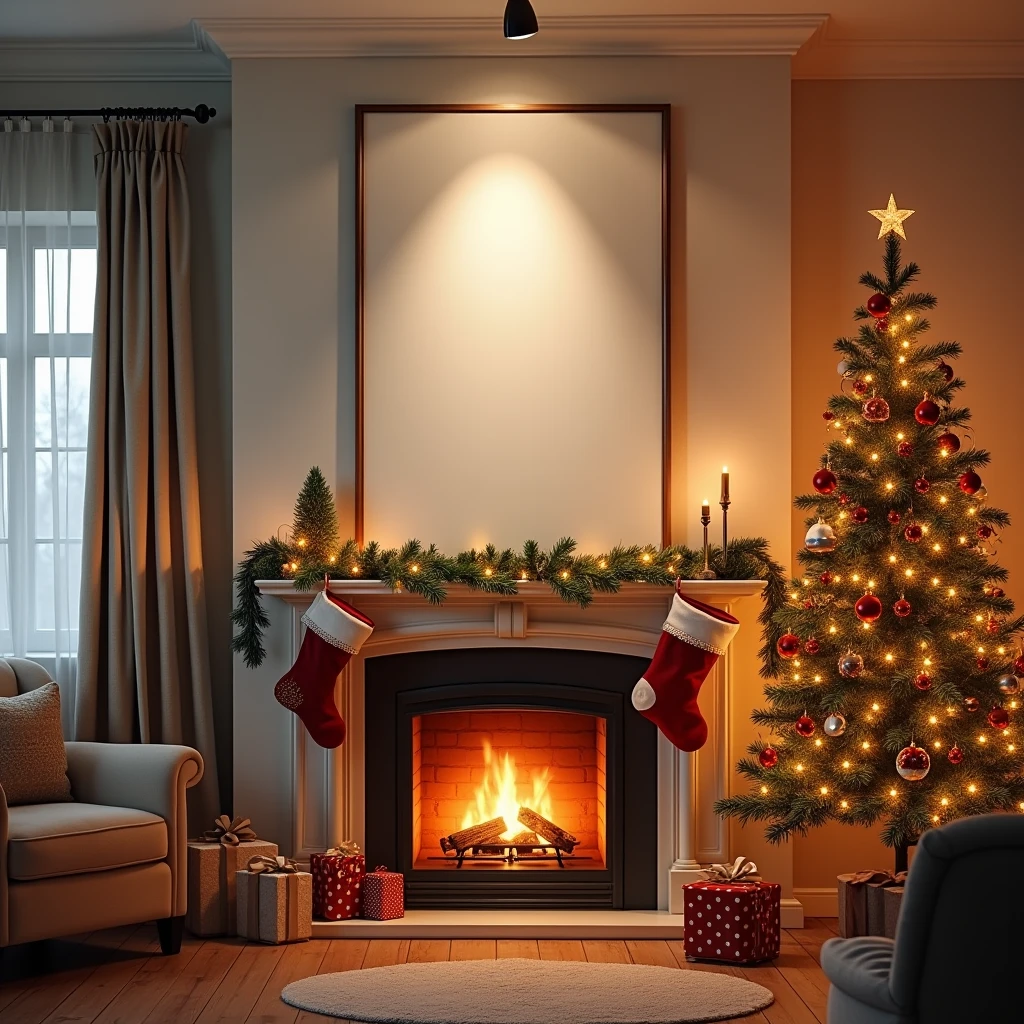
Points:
x=144, y=669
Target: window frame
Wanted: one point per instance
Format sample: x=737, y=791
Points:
x=21, y=241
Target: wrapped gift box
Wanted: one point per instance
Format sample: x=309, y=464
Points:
x=275, y=907
x=735, y=922
x=212, y=870
x=892, y=901
x=337, y=885
x=862, y=902
x=383, y=894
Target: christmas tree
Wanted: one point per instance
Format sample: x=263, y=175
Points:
x=897, y=694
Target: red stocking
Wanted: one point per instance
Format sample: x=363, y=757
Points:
x=694, y=636
x=334, y=632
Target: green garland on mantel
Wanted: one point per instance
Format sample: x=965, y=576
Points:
x=314, y=552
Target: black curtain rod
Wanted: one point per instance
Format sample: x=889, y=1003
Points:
x=202, y=113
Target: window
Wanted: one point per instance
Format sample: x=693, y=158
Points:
x=47, y=289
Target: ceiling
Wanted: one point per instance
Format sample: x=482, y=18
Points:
x=936, y=20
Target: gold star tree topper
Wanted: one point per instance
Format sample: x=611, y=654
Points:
x=892, y=218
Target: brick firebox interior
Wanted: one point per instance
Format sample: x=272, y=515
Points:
x=471, y=766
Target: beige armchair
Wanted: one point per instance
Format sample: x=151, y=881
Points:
x=114, y=855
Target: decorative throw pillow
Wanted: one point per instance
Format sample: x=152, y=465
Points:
x=33, y=762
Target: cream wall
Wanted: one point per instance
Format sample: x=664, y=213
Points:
x=293, y=281
x=952, y=151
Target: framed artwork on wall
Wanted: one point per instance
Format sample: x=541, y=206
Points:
x=512, y=324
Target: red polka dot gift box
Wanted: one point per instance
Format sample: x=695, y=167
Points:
x=732, y=919
x=337, y=882
x=383, y=894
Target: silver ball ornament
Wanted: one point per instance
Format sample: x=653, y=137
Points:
x=843, y=368
x=820, y=538
x=834, y=725
x=851, y=665
x=1008, y=684
x=981, y=493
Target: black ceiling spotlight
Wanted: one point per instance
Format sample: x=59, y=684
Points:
x=520, y=20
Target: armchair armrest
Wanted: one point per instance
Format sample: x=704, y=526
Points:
x=861, y=968
x=150, y=777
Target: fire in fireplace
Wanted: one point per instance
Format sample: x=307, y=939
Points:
x=509, y=788
x=528, y=767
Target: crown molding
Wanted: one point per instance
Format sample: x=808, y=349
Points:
x=565, y=36
x=194, y=58
x=826, y=57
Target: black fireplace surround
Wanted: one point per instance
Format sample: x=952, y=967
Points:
x=401, y=686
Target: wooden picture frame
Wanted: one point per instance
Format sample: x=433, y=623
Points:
x=362, y=112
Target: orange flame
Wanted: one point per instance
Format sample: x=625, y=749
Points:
x=498, y=794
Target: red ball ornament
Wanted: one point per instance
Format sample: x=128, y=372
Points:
x=875, y=410
x=913, y=532
x=1018, y=666
x=984, y=531
x=921, y=485
x=971, y=704
x=948, y=442
x=992, y=625
x=808, y=604
x=788, y=645
x=879, y=305
x=913, y=763
x=969, y=482
x=999, y=718
x=982, y=662
x=859, y=514
x=860, y=388
x=826, y=415
x=902, y=608
x=882, y=324
x=868, y=608
x=955, y=755
x=768, y=758
x=923, y=681
x=904, y=449
x=946, y=370
x=812, y=646
x=893, y=517
x=927, y=413
x=804, y=726
x=844, y=498
x=998, y=591
x=826, y=577
x=824, y=481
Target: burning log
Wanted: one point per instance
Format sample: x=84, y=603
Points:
x=556, y=836
x=524, y=838
x=487, y=833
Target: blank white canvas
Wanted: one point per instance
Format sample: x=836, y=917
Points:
x=512, y=328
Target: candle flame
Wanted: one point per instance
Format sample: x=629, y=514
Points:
x=725, y=469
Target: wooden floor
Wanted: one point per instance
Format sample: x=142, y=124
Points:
x=114, y=977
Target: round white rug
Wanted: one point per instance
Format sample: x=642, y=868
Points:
x=527, y=992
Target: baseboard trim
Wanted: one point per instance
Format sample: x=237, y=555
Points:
x=819, y=902
x=791, y=912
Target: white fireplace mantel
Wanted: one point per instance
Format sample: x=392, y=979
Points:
x=328, y=785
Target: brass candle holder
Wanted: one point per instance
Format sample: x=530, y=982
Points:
x=707, y=573
x=725, y=503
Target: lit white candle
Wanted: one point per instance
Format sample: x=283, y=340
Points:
x=725, y=483
x=705, y=509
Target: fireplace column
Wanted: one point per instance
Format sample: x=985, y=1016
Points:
x=685, y=867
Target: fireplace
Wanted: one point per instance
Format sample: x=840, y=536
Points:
x=511, y=778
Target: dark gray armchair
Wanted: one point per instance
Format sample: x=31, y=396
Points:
x=959, y=941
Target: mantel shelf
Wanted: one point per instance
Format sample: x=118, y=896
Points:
x=531, y=593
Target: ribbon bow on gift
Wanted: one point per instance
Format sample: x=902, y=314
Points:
x=864, y=877
x=273, y=865
x=228, y=832
x=349, y=848
x=741, y=871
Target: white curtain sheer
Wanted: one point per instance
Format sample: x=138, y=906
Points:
x=48, y=272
